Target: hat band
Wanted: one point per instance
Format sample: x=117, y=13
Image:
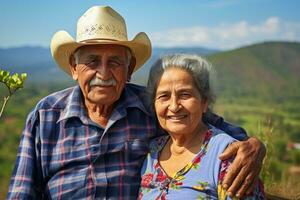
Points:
x=97, y=40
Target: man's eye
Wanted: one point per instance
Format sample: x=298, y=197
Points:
x=92, y=63
x=114, y=63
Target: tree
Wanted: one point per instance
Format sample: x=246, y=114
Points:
x=12, y=83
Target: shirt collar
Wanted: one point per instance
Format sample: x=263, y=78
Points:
x=74, y=106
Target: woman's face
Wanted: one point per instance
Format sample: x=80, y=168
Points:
x=178, y=104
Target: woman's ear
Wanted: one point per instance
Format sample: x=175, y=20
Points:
x=73, y=67
x=204, y=105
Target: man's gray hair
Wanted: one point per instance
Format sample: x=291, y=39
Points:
x=201, y=71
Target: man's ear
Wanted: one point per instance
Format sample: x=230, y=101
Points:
x=130, y=68
x=73, y=67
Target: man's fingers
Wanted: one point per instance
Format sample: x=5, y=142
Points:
x=252, y=186
x=233, y=171
x=247, y=185
x=243, y=172
x=230, y=151
x=237, y=182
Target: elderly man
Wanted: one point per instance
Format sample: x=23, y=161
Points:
x=89, y=141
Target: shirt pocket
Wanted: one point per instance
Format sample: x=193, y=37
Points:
x=135, y=152
x=136, y=149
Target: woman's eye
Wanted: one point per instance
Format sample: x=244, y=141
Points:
x=185, y=95
x=162, y=97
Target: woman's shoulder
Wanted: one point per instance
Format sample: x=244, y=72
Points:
x=219, y=140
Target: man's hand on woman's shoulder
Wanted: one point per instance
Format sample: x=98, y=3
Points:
x=243, y=173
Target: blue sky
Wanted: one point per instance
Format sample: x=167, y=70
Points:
x=218, y=24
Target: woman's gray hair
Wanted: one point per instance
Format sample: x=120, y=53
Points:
x=201, y=71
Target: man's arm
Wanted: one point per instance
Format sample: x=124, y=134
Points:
x=24, y=182
x=236, y=132
x=249, y=154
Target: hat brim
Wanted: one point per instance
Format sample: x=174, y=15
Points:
x=63, y=46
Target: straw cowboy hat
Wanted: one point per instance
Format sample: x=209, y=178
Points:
x=100, y=25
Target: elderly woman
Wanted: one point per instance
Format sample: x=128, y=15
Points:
x=184, y=163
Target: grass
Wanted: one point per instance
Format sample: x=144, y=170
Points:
x=275, y=126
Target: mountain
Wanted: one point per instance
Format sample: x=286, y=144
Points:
x=35, y=61
x=270, y=69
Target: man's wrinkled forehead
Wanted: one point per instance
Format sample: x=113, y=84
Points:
x=104, y=47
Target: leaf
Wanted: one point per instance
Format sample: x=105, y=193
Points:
x=14, y=81
x=4, y=75
x=23, y=76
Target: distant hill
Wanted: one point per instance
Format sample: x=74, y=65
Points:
x=35, y=61
x=270, y=69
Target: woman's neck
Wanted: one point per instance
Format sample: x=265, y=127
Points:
x=180, y=143
x=179, y=151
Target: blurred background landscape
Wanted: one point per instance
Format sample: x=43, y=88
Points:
x=257, y=64
x=258, y=89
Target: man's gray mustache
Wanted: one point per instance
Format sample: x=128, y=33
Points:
x=100, y=82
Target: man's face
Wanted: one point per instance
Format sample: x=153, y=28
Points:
x=101, y=72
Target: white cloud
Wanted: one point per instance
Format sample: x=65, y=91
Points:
x=226, y=36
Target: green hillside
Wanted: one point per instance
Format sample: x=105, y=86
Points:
x=269, y=70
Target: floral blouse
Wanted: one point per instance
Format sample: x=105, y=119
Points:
x=199, y=179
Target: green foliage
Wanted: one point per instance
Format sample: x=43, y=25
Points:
x=12, y=83
x=276, y=125
x=295, y=156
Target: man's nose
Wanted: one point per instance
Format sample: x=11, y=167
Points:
x=103, y=71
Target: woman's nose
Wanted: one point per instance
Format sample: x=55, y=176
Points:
x=174, y=104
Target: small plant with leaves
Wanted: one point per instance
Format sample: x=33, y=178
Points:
x=12, y=83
